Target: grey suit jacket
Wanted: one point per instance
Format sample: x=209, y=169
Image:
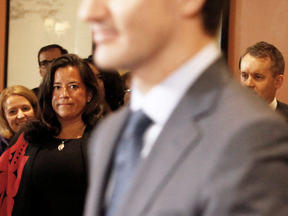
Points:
x=222, y=152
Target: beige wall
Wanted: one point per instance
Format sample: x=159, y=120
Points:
x=252, y=21
x=2, y=40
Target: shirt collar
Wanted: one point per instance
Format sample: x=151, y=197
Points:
x=273, y=104
x=162, y=99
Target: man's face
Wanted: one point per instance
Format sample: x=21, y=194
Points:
x=129, y=33
x=46, y=58
x=256, y=74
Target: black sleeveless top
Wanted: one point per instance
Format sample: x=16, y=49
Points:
x=58, y=180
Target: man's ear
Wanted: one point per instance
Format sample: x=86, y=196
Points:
x=191, y=7
x=279, y=81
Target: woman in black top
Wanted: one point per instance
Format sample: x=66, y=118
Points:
x=48, y=174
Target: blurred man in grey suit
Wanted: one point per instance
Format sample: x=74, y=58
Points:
x=262, y=70
x=207, y=152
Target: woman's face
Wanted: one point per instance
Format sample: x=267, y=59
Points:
x=18, y=111
x=69, y=95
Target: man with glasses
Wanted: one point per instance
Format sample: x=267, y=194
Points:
x=46, y=56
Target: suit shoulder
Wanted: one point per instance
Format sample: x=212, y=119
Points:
x=282, y=105
x=283, y=109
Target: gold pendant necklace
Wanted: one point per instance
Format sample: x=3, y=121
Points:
x=62, y=144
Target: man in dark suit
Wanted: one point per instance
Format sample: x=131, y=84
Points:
x=207, y=151
x=262, y=70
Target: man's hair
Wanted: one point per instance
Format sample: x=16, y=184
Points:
x=213, y=12
x=265, y=50
x=52, y=46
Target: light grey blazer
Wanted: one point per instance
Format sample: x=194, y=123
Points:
x=222, y=152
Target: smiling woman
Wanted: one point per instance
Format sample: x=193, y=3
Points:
x=18, y=105
x=51, y=169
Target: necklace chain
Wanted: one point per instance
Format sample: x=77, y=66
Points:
x=62, y=144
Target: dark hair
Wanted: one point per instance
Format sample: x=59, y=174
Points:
x=265, y=50
x=93, y=110
x=213, y=11
x=114, y=90
x=52, y=46
x=106, y=107
x=19, y=90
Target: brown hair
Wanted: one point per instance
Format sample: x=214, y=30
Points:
x=264, y=50
x=50, y=47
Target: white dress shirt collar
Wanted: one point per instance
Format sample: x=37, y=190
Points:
x=161, y=100
x=273, y=104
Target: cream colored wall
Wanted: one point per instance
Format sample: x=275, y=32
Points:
x=252, y=21
x=35, y=24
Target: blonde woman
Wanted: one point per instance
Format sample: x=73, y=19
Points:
x=18, y=106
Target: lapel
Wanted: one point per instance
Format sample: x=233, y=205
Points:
x=179, y=136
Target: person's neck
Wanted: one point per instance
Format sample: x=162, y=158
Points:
x=160, y=67
x=75, y=128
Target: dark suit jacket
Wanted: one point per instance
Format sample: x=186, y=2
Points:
x=283, y=109
x=213, y=157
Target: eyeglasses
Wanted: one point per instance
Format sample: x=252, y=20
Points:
x=44, y=64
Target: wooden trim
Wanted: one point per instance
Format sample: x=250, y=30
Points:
x=225, y=31
x=3, y=43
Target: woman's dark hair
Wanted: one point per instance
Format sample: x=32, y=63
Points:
x=93, y=110
x=106, y=107
x=114, y=90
